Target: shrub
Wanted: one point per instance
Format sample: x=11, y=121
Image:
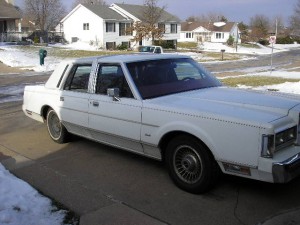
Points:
x=122, y=47
x=36, y=40
x=165, y=44
x=285, y=40
x=230, y=41
x=263, y=42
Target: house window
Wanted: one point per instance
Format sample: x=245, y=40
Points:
x=110, y=27
x=189, y=35
x=127, y=44
x=86, y=26
x=110, y=45
x=173, y=28
x=124, y=29
x=219, y=35
x=162, y=27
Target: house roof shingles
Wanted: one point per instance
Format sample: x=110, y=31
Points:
x=8, y=11
x=104, y=12
x=138, y=12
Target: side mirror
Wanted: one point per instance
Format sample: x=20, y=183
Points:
x=114, y=93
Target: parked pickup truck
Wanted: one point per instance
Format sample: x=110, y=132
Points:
x=168, y=107
x=151, y=49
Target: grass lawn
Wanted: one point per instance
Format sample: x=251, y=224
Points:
x=68, y=53
x=255, y=81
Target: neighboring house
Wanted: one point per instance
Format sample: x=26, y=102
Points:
x=106, y=26
x=9, y=21
x=209, y=32
x=170, y=23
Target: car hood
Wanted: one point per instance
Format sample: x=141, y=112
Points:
x=243, y=106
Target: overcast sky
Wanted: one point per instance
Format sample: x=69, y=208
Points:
x=233, y=10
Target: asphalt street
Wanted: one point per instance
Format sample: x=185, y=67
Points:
x=104, y=185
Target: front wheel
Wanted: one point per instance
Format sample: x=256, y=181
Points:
x=190, y=164
x=56, y=129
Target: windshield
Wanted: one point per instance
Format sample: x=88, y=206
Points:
x=168, y=76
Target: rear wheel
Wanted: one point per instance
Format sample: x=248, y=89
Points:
x=190, y=164
x=56, y=129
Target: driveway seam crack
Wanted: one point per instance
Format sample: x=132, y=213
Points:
x=236, y=207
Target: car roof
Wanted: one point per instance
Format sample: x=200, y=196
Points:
x=135, y=57
x=132, y=57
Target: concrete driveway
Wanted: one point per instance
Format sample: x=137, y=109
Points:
x=104, y=185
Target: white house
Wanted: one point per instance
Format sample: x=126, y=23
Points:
x=106, y=26
x=170, y=23
x=95, y=24
x=209, y=32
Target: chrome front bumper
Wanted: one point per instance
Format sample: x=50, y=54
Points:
x=287, y=170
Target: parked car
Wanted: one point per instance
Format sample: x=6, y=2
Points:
x=168, y=107
x=151, y=49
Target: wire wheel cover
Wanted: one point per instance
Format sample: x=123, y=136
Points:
x=187, y=164
x=54, y=125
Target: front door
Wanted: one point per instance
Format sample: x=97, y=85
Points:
x=115, y=121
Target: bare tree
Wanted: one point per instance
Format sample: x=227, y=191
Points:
x=148, y=27
x=46, y=14
x=260, y=26
x=210, y=17
x=92, y=2
x=295, y=20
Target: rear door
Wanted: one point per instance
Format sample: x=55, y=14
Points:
x=75, y=99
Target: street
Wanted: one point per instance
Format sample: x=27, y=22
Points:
x=104, y=185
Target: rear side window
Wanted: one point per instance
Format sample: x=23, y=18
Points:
x=78, y=78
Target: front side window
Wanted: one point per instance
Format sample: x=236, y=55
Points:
x=78, y=78
x=169, y=76
x=112, y=76
x=110, y=27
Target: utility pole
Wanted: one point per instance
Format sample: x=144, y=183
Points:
x=276, y=27
x=237, y=36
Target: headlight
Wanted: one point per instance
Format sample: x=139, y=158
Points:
x=285, y=137
x=273, y=143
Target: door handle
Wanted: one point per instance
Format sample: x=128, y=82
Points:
x=96, y=104
x=62, y=99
